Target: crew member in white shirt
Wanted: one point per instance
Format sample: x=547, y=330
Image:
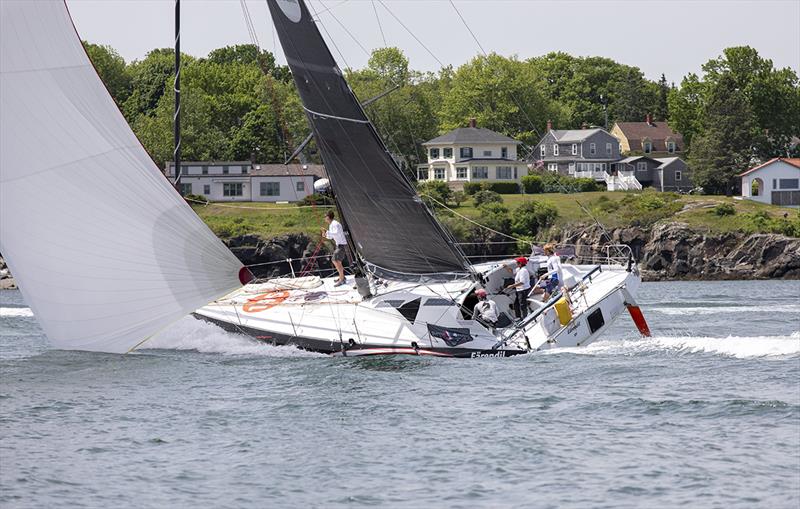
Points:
x=522, y=285
x=485, y=311
x=335, y=232
x=554, y=276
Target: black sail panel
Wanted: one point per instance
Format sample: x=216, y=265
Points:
x=391, y=228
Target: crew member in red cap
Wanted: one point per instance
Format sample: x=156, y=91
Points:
x=522, y=284
x=485, y=310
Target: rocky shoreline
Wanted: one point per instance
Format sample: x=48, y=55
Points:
x=664, y=252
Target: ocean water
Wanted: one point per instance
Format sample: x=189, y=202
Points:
x=704, y=414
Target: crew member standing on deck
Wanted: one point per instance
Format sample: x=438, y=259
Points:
x=335, y=232
x=522, y=284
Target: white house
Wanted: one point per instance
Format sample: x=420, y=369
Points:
x=470, y=154
x=244, y=181
x=777, y=182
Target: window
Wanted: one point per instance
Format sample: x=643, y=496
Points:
x=461, y=172
x=422, y=174
x=447, y=153
x=555, y=149
x=504, y=152
x=552, y=166
x=186, y=189
x=438, y=173
x=647, y=146
x=789, y=183
x=434, y=153
x=774, y=183
x=480, y=172
x=609, y=149
x=603, y=166
x=270, y=188
x=574, y=149
x=543, y=150
x=225, y=170
x=204, y=170
x=232, y=189
x=641, y=166
x=300, y=187
x=671, y=147
x=245, y=170
x=677, y=175
x=466, y=152
x=207, y=189
x=592, y=148
x=487, y=153
x=515, y=173
x=572, y=167
x=504, y=172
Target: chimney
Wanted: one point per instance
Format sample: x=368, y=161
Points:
x=584, y=126
x=473, y=122
x=549, y=125
x=648, y=119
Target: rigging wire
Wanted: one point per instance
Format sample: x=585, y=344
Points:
x=330, y=38
x=378, y=19
x=441, y=64
x=331, y=14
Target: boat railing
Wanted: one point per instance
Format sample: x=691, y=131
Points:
x=576, y=254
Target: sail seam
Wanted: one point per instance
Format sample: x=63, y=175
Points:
x=325, y=115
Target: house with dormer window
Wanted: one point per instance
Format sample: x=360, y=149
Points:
x=649, y=138
x=589, y=153
x=470, y=154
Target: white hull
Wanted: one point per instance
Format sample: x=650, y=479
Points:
x=410, y=317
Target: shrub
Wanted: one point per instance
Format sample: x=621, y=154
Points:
x=195, y=199
x=500, y=187
x=604, y=204
x=586, y=185
x=484, y=197
x=495, y=216
x=437, y=190
x=459, y=197
x=471, y=188
x=316, y=199
x=533, y=184
x=724, y=209
x=532, y=217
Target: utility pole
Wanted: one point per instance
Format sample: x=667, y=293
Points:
x=177, y=113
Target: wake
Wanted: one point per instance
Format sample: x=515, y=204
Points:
x=191, y=334
x=740, y=347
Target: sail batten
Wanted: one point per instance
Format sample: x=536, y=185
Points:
x=103, y=248
x=391, y=227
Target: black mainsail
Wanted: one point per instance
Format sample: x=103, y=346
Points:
x=390, y=227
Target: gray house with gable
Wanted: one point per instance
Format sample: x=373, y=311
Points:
x=578, y=152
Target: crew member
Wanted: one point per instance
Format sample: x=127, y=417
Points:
x=550, y=280
x=335, y=232
x=485, y=311
x=522, y=285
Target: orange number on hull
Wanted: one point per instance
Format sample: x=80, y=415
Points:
x=265, y=301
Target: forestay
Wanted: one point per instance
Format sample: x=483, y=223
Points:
x=106, y=253
x=391, y=227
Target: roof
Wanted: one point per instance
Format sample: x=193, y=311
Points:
x=281, y=170
x=488, y=160
x=471, y=135
x=569, y=135
x=170, y=164
x=656, y=132
x=794, y=161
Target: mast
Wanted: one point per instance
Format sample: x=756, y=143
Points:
x=177, y=114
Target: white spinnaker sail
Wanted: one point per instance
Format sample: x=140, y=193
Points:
x=105, y=251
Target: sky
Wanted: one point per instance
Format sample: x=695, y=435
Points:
x=674, y=37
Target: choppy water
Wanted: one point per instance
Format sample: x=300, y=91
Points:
x=705, y=414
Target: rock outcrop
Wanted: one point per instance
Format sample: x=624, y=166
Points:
x=6, y=280
x=268, y=257
x=673, y=251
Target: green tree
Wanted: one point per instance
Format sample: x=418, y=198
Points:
x=532, y=217
x=112, y=70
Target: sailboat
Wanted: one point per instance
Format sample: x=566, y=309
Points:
x=107, y=253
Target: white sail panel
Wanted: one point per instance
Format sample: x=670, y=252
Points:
x=104, y=250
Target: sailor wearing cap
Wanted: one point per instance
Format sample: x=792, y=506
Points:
x=485, y=311
x=522, y=284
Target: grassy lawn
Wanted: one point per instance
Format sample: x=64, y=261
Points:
x=610, y=208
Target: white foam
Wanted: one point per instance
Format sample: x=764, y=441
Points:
x=200, y=336
x=731, y=346
x=712, y=310
x=15, y=312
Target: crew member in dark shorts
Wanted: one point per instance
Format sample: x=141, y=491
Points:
x=335, y=232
